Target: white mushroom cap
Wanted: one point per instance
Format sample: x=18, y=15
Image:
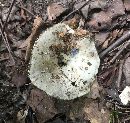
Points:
x=64, y=65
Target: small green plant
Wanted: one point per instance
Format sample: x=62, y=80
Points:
x=114, y=117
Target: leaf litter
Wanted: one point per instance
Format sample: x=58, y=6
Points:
x=108, y=21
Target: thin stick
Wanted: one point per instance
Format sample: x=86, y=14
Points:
x=119, y=41
x=6, y=43
x=22, y=7
x=76, y=10
x=117, y=48
x=3, y=59
x=120, y=74
x=11, y=6
x=120, y=51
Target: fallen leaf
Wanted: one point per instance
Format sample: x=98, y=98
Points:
x=100, y=21
x=95, y=89
x=99, y=4
x=101, y=37
x=54, y=10
x=84, y=10
x=42, y=105
x=96, y=115
x=105, y=18
x=127, y=5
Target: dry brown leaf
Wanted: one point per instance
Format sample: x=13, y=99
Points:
x=42, y=104
x=54, y=10
x=96, y=115
x=95, y=89
x=105, y=18
x=100, y=21
x=84, y=10
x=101, y=37
x=127, y=5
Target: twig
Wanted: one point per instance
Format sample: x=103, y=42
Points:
x=76, y=10
x=3, y=59
x=117, y=48
x=120, y=74
x=11, y=6
x=31, y=39
x=119, y=41
x=22, y=7
x=120, y=51
x=6, y=42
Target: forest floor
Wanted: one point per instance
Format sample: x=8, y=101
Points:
x=22, y=21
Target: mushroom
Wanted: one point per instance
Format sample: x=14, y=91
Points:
x=64, y=62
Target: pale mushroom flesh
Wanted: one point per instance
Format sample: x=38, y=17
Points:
x=64, y=63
